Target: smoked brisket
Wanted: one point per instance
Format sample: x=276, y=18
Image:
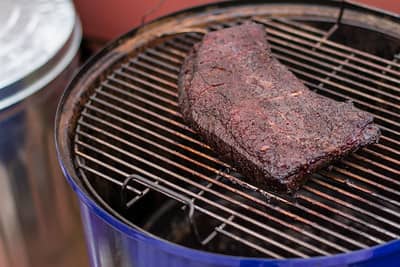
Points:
x=259, y=117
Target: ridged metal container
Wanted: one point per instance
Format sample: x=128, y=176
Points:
x=39, y=224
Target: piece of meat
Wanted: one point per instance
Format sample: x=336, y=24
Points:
x=259, y=117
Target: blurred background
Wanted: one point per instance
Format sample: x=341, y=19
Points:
x=99, y=21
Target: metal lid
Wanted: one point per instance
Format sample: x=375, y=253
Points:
x=38, y=39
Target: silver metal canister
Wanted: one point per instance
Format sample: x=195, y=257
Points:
x=39, y=223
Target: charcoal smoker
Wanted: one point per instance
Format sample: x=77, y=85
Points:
x=152, y=194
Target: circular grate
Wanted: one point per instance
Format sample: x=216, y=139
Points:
x=136, y=156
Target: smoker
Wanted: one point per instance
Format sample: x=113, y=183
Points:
x=39, y=221
x=152, y=194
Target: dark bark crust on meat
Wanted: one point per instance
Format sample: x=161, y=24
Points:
x=259, y=117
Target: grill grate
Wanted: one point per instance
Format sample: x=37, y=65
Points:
x=132, y=125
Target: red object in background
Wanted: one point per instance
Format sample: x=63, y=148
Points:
x=106, y=19
x=389, y=5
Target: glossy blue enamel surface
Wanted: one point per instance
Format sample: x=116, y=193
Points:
x=112, y=243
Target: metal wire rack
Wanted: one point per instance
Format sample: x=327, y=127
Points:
x=131, y=135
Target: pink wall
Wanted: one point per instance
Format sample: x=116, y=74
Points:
x=390, y=5
x=106, y=19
